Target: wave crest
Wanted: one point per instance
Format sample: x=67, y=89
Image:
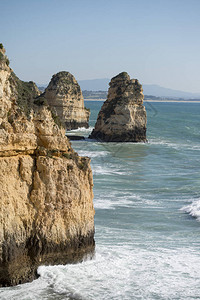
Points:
x=193, y=209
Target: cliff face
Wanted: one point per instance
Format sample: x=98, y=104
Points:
x=122, y=117
x=46, y=212
x=64, y=95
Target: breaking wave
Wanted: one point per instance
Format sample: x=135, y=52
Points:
x=193, y=209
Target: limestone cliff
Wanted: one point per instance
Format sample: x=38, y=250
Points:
x=64, y=95
x=122, y=117
x=46, y=212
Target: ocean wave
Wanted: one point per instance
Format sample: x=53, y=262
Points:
x=128, y=199
x=81, y=129
x=165, y=143
x=92, y=153
x=176, y=146
x=121, y=272
x=118, y=272
x=99, y=170
x=193, y=209
x=112, y=204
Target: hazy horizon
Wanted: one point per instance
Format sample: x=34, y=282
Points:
x=154, y=41
x=43, y=84
x=102, y=84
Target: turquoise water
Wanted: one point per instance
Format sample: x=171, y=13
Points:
x=147, y=202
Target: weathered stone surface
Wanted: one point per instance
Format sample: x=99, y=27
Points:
x=122, y=117
x=64, y=95
x=46, y=211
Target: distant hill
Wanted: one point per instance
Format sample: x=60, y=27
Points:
x=94, y=84
x=102, y=84
x=149, y=89
x=94, y=94
x=158, y=91
x=41, y=88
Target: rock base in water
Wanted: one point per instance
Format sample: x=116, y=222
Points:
x=75, y=137
x=136, y=135
x=71, y=125
x=26, y=260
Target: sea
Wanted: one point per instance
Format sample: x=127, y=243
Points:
x=147, y=221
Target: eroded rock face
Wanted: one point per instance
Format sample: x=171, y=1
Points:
x=122, y=117
x=64, y=95
x=46, y=212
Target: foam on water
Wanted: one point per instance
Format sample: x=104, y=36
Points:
x=175, y=145
x=193, y=209
x=112, y=204
x=115, y=199
x=119, y=272
x=106, y=170
x=92, y=153
x=81, y=130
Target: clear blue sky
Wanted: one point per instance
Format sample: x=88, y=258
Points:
x=156, y=41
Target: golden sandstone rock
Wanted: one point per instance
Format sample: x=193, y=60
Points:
x=122, y=117
x=46, y=212
x=64, y=95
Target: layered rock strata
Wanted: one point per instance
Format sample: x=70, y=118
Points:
x=46, y=211
x=122, y=117
x=64, y=95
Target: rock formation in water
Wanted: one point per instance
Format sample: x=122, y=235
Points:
x=46, y=212
x=122, y=117
x=64, y=95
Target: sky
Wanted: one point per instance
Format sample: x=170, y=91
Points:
x=155, y=41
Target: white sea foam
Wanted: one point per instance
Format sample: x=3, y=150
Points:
x=121, y=272
x=124, y=202
x=92, y=153
x=112, y=204
x=115, y=199
x=166, y=143
x=106, y=170
x=80, y=130
x=193, y=209
x=118, y=272
x=175, y=145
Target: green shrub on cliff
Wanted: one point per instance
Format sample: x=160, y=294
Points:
x=39, y=101
x=23, y=92
x=56, y=119
x=7, y=61
x=3, y=58
x=83, y=164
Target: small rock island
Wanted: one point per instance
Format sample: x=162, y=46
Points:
x=46, y=189
x=64, y=95
x=122, y=117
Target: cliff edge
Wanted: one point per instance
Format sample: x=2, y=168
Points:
x=46, y=212
x=122, y=117
x=64, y=95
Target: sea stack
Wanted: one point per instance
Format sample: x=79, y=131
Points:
x=64, y=95
x=122, y=117
x=46, y=211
